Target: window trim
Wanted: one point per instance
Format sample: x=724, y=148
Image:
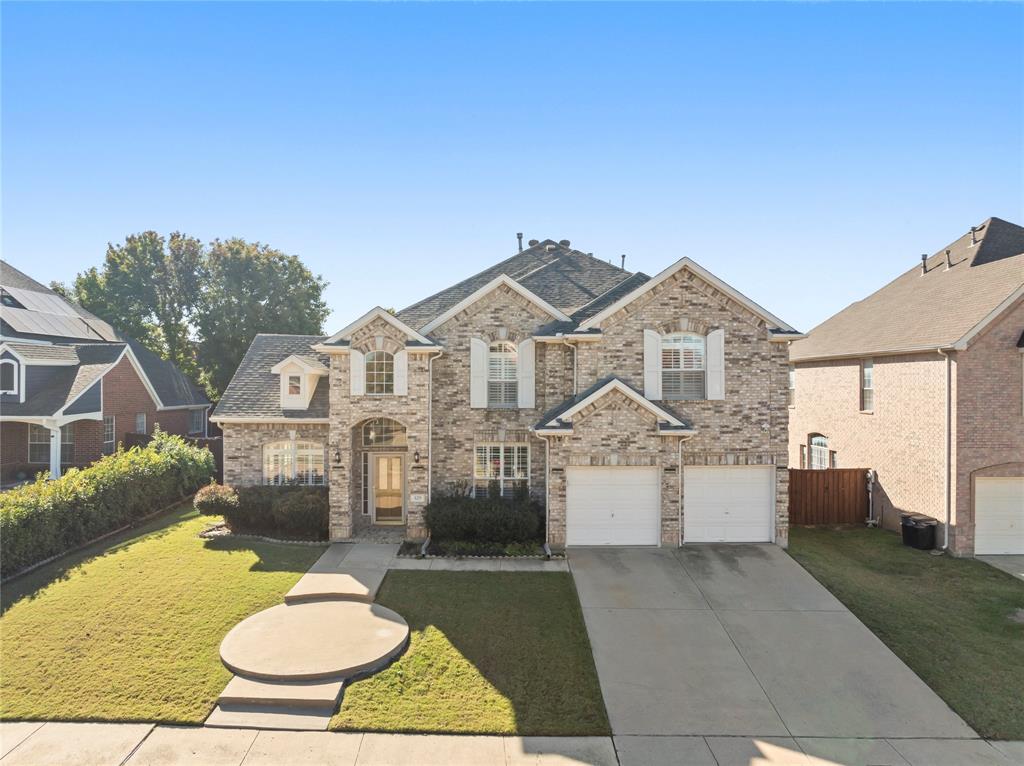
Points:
x=192, y=431
x=145, y=424
x=501, y=478
x=791, y=390
x=67, y=428
x=15, y=376
x=388, y=359
x=294, y=450
x=819, y=456
x=289, y=377
x=865, y=365
x=508, y=383
x=112, y=441
x=679, y=340
x=803, y=457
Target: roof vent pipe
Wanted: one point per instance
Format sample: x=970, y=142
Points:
x=924, y=264
x=623, y=265
x=519, y=237
x=949, y=261
x=974, y=235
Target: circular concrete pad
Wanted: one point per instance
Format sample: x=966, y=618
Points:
x=319, y=639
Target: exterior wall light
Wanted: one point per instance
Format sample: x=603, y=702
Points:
x=416, y=456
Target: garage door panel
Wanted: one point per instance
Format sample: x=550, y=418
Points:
x=728, y=504
x=999, y=516
x=613, y=505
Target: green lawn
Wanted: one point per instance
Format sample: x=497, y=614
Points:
x=129, y=630
x=948, y=619
x=494, y=653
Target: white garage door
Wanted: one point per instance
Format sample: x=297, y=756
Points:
x=612, y=505
x=730, y=504
x=999, y=516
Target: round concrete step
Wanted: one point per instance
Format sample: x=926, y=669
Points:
x=320, y=639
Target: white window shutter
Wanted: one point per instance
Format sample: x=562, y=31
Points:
x=525, y=368
x=402, y=373
x=357, y=372
x=716, y=364
x=652, y=365
x=477, y=373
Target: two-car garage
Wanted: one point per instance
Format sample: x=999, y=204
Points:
x=621, y=505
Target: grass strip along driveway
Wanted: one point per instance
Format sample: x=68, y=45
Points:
x=129, y=630
x=494, y=653
x=951, y=620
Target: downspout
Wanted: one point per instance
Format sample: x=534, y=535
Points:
x=547, y=488
x=679, y=513
x=949, y=447
x=430, y=422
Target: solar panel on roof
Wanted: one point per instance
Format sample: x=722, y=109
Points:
x=43, y=302
x=38, y=323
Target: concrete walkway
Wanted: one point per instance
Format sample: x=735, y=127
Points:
x=740, y=641
x=1010, y=564
x=114, y=744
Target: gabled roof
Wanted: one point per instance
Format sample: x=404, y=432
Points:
x=341, y=337
x=38, y=353
x=60, y=386
x=307, y=362
x=595, y=319
x=498, y=281
x=255, y=391
x=942, y=308
x=556, y=420
x=557, y=274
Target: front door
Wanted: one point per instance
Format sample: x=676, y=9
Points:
x=388, y=489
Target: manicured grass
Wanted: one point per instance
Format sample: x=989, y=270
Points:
x=490, y=653
x=129, y=630
x=948, y=619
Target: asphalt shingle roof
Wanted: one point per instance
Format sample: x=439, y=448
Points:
x=932, y=310
x=255, y=391
x=40, y=353
x=61, y=385
x=572, y=401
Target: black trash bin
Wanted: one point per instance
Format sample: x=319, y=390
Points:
x=924, y=528
x=908, y=529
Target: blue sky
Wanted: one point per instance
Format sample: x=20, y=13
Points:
x=805, y=153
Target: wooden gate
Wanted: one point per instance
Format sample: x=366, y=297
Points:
x=828, y=496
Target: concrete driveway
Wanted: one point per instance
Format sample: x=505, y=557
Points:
x=739, y=640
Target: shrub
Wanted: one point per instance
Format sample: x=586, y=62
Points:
x=295, y=513
x=483, y=519
x=215, y=500
x=46, y=518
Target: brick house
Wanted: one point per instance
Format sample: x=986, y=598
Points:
x=922, y=382
x=72, y=387
x=641, y=410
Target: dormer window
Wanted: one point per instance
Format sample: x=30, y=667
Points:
x=299, y=377
x=294, y=385
x=8, y=376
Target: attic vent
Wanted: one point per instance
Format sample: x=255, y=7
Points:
x=563, y=242
x=550, y=248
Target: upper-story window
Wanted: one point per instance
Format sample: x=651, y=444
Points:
x=792, y=386
x=8, y=376
x=380, y=373
x=294, y=385
x=683, y=366
x=867, y=385
x=502, y=375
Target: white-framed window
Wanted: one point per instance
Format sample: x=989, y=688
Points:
x=867, y=385
x=140, y=422
x=383, y=432
x=39, y=444
x=506, y=464
x=683, y=366
x=803, y=456
x=196, y=421
x=792, y=386
x=821, y=458
x=502, y=375
x=8, y=376
x=380, y=373
x=294, y=462
x=109, y=434
x=294, y=385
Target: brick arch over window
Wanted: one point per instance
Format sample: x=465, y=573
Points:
x=500, y=334
x=378, y=343
x=684, y=324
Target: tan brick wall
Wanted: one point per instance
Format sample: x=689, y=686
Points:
x=902, y=440
x=989, y=417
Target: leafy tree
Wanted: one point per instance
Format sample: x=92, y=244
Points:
x=249, y=288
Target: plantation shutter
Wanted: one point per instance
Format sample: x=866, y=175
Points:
x=357, y=373
x=652, y=365
x=402, y=373
x=477, y=373
x=716, y=364
x=526, y=374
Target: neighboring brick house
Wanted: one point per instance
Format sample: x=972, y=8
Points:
x=922, y=382
x=72, y=387
x=641, y=410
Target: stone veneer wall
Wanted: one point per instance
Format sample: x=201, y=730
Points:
x=243, y=447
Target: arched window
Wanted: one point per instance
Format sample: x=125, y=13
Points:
x=502, y=375
x=683, y=366
x=8, y=376
x=383, y=432
x=821, y=456
x=380, y=373
x=293, y=462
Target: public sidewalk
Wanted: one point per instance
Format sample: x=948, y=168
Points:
x=114, y=744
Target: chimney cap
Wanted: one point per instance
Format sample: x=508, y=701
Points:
x=533, y=242
x=564, y=242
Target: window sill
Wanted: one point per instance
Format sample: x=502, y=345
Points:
x=866, y=412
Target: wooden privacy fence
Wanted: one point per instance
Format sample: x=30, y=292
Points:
x=828, y=496
x=213, y=443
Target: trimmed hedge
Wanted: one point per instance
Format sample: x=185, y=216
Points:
x=291, y=512
x=215, y=500
x=483, y=519
x=47, y=518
